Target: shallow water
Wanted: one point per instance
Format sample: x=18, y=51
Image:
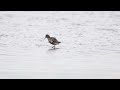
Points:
x=89, y=48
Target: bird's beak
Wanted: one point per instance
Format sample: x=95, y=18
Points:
x=44, y=38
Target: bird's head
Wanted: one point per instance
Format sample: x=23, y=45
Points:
x=47, y=36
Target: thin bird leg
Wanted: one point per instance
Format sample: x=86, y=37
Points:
x=53, y=47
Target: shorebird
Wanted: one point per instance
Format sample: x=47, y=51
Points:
x=52, y=40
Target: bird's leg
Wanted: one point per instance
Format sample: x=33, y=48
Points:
x=53, y=47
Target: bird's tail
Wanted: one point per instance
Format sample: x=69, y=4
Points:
x=59, y=42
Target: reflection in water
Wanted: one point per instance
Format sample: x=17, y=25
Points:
x=52, y=50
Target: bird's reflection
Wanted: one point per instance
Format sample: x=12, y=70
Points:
x=53, y=49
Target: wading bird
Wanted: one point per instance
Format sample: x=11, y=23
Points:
x=52, y=40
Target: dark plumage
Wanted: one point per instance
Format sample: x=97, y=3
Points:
x=52, y=40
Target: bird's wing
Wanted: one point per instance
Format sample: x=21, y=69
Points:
x=54, y=39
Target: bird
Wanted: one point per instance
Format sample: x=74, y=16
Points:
x=52, y=40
